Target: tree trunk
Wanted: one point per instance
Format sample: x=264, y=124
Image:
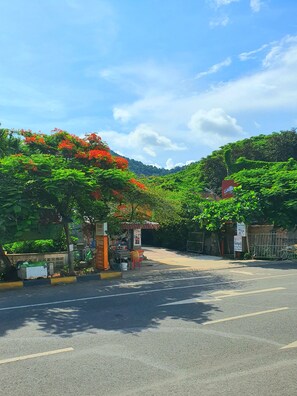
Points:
x=5, y=259
x=70, y=259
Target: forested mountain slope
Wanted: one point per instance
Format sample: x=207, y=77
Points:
x=208, y=173
x=141, y=169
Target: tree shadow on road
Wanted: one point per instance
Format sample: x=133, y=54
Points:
x=130, y=308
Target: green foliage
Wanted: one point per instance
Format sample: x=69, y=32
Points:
x=70, y=176
x=243, y=163
x=10, y=142
x=81, y=178
x=257, y=151
x=243, y=207
x=276, y=187
x=37, y=246
x=142, y=169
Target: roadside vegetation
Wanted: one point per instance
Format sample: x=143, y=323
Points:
x=50, y=181
x=264, y=167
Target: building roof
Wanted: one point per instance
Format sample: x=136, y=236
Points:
x=146, y=225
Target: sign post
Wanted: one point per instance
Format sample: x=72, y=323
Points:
x=241, y=229
x=137, y=238
x=238, y=243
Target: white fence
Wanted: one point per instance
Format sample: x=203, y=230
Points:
x=59, y=259
x=273, y=246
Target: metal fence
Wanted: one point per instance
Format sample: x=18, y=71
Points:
x=195, y=243
x=273, y=246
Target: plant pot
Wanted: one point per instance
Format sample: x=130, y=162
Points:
x=124, y=266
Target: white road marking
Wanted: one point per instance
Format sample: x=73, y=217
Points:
x=292, y=345
x=148, y=282
x=162, y=290
x=35, y=355
x=225, y=294
x=191, y=301
x=178, y=279
x=245, y=316
x=242, y=272
x=236, y=293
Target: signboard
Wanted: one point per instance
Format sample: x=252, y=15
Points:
x=228, y=188
x=101, y=229
x=241, y=229
x=238, y=243
x=137, y=237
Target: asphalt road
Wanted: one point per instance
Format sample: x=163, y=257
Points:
x=228, y=332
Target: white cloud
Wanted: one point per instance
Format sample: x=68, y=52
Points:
x=142, y=139
x=257, y=125
x=214, y=127
x=219, y=3
x=255, y=5
x=244, y=56
x=215, y=68
x=148, y=150
x=156, y=165
x=219, y=21
x=282, y=52
x=270, y=89
x=150, y=140
x=121, y=114
x=137, y=77
x=170, y=163
x=196, y=117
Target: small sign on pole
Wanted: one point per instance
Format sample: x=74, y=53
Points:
x=241, y=229
x=101, y=229
x=238, y=243
x=137, y=237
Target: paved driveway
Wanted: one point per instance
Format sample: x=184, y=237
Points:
x=161, y=259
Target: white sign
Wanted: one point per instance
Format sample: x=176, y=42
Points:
x=241, y=229
x=237, y=243
x=137, y=237
x=101, y=229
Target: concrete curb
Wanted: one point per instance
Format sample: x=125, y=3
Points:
x=62, y=280
x=11, y=285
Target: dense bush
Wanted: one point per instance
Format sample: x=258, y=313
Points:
x=37, y=246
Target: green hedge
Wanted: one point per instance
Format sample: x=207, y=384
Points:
x=37, y=246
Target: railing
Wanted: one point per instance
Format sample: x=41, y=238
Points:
x=195, y=243
x=273, y=246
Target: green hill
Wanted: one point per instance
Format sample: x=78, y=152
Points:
x=140, y=169
x=209, y=172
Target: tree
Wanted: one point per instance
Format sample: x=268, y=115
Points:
x=9, y=142
x=69, y=175
x=18, y=211
x=267, y=195
x=276, y=187
x=245, y=207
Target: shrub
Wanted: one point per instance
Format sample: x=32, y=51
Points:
x=37, y=246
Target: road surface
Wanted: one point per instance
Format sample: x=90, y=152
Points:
x=228, y=332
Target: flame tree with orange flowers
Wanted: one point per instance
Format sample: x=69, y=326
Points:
x=72, y=176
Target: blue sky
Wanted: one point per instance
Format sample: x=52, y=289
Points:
x=163, y=81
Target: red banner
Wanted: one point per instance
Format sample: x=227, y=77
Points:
x=228, y=188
